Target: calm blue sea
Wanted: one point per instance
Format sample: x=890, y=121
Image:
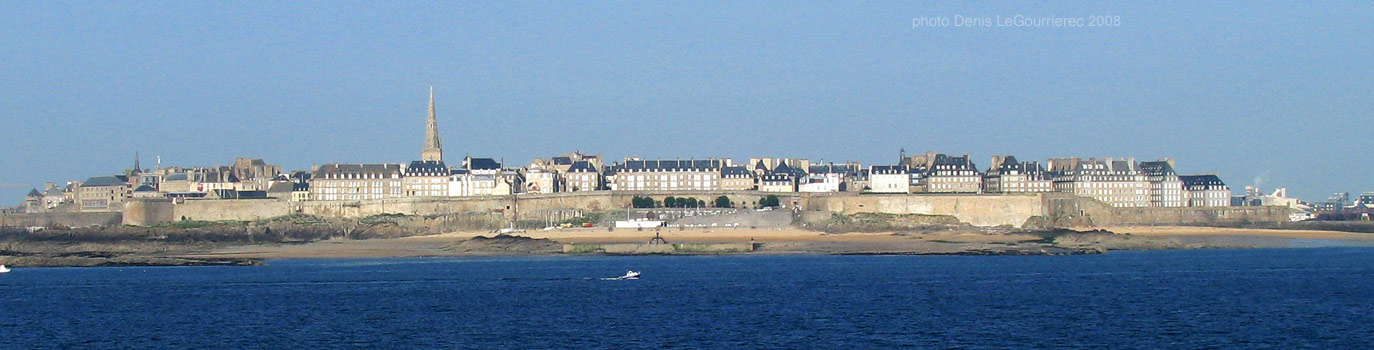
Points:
x=1226, y=299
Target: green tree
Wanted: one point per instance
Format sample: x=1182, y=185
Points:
x=770, y=201
x=723, y=202
x=670, y=202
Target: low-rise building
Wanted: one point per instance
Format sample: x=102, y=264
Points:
x=821, y=183
x=1206, y=191
x=782, y=178
x=351, y=182
x=889, y=179
x=778, y=182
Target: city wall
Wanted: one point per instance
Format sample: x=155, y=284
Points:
x=71, y=219
x=1025, y=210
x=977, y=210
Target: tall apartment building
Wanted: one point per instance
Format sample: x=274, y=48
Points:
x=425, y=178
x=1007, y=175
x=669, y=175
x=1166, y=190
x=1116, y=182
x=951, y=174
x=345, y=182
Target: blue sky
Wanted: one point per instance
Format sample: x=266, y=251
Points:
x=1276, y=92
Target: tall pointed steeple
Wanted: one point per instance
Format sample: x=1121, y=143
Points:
x=434, y=150
x=137, y=168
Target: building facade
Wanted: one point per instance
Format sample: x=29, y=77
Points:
x=1116, y=182
x=889, y=179
x=1007, y=175
x=351, y=182
x=951, y=174
x=1206, y=191
x=425, y=178
x=1166, y=190
x=582, y=176
x=669, y=175
x=103, y=194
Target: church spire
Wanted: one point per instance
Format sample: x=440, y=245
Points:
x=434, y=150
x=136, y=167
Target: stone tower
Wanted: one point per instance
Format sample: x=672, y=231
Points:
x=434, y=150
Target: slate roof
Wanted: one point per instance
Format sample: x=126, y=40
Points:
x=385, y=170
x=888, y=169
x=34, y=193
x=176, y=177
x=483, y=164
x=736, y=172
x=53, y=192
x=953, y=163
x=99, y=181
x=832, y=169
x=760, y=166
x=562, y=161
x=145, y=188
x=300, y=186
x=427, y=168
x=1159, y=168
x=582, y=166
x=673, y=165
x=1203, y=181
x=281, y=187
x=783, y=169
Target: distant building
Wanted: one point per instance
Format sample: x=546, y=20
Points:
x=1006, y=175
x=539, y=180
x=1116, y=182
x=351, y=182
x=821, y=183
x=104, y=193
x=1166, y=190
x=889, y=179
x=1366, y=200
x=147, y=192
x=782, y=178
x=434, y=149
x=465, y=183
x=478, y=177
x=1206, y=191
x=426, y=178
x=669, y=175
x=823, y=177
x=779, y=182
x=582, y=176
x=951, y=174
x=737, y=178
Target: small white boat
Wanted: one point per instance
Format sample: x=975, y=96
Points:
x=629, y=275
x=4, y=269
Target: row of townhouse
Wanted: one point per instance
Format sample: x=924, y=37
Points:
x=1116, y=182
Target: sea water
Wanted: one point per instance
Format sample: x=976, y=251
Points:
x=1227, y=299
